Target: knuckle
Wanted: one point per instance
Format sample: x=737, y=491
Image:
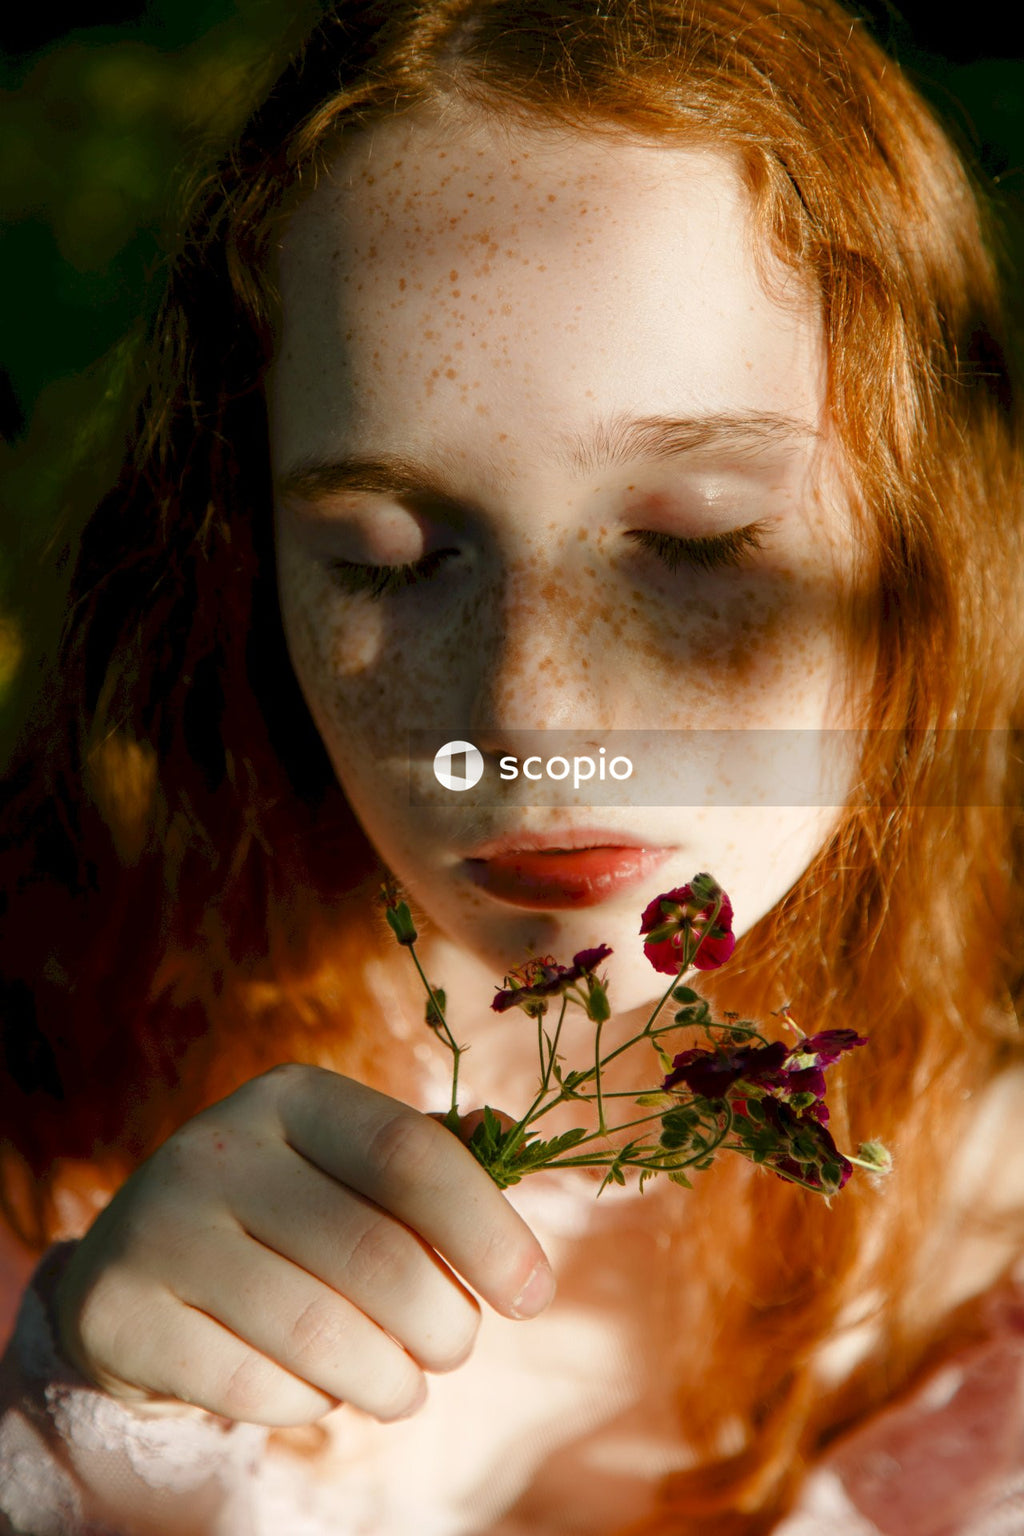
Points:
x=283, y=1075
x=279, y=1084
x=251, y=1391
x=320, y=1333
x=381, y=1257
x=186, y=1153
x=408, y=1150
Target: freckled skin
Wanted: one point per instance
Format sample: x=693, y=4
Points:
x=490, y=294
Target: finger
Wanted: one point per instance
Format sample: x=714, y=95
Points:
x=361, y=1252
x=291, y=1319
x=409, y=1165
x=154, y=1345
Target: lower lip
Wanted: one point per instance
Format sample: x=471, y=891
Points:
x=563, y=878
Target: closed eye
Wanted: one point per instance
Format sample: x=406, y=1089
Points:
x=377, y=580
x=713, y=552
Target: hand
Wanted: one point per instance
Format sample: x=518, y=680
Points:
x=289, y=1249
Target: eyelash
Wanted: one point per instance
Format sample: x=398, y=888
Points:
x=714, y=552
x=378, y=580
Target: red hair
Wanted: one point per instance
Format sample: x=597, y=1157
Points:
x=185, y=877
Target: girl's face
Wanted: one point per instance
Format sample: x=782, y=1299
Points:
x=546, y=375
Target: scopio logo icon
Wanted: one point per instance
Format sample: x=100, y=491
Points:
x=458, y=765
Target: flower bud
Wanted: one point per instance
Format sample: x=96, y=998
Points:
x=873, y=1155
x=400, y=922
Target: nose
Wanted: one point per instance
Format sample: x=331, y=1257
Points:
x=540, y=662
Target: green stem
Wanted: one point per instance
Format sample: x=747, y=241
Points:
x=449, y=1038
x=554, y=1050
x=602, y=1129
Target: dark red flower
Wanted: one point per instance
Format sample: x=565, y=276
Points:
x=828, y=1045
x=679, y=929
x=531, y=984
x=711, y=1074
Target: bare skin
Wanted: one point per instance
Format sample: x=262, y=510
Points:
x=496, y=310
x=492, y=307
x=297, y=1245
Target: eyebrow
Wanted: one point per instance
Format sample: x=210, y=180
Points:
x=621, y=440
x=625, y=439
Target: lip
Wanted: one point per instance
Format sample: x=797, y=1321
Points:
x=563, y=869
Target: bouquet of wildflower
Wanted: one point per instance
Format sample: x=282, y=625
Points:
x=737, y=1093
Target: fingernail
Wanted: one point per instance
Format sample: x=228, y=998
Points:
x=535, y=1294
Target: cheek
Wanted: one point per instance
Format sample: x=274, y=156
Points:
x=368, y=675
x=748, y=646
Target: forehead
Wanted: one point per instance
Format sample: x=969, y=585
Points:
x=475, y=271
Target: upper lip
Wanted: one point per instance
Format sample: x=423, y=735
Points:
x=559, y=838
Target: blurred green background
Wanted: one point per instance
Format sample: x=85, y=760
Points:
x=95, y=124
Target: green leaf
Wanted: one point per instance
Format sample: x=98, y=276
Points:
x=536, y=1154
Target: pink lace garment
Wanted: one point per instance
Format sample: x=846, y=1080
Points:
x=948, y=1460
